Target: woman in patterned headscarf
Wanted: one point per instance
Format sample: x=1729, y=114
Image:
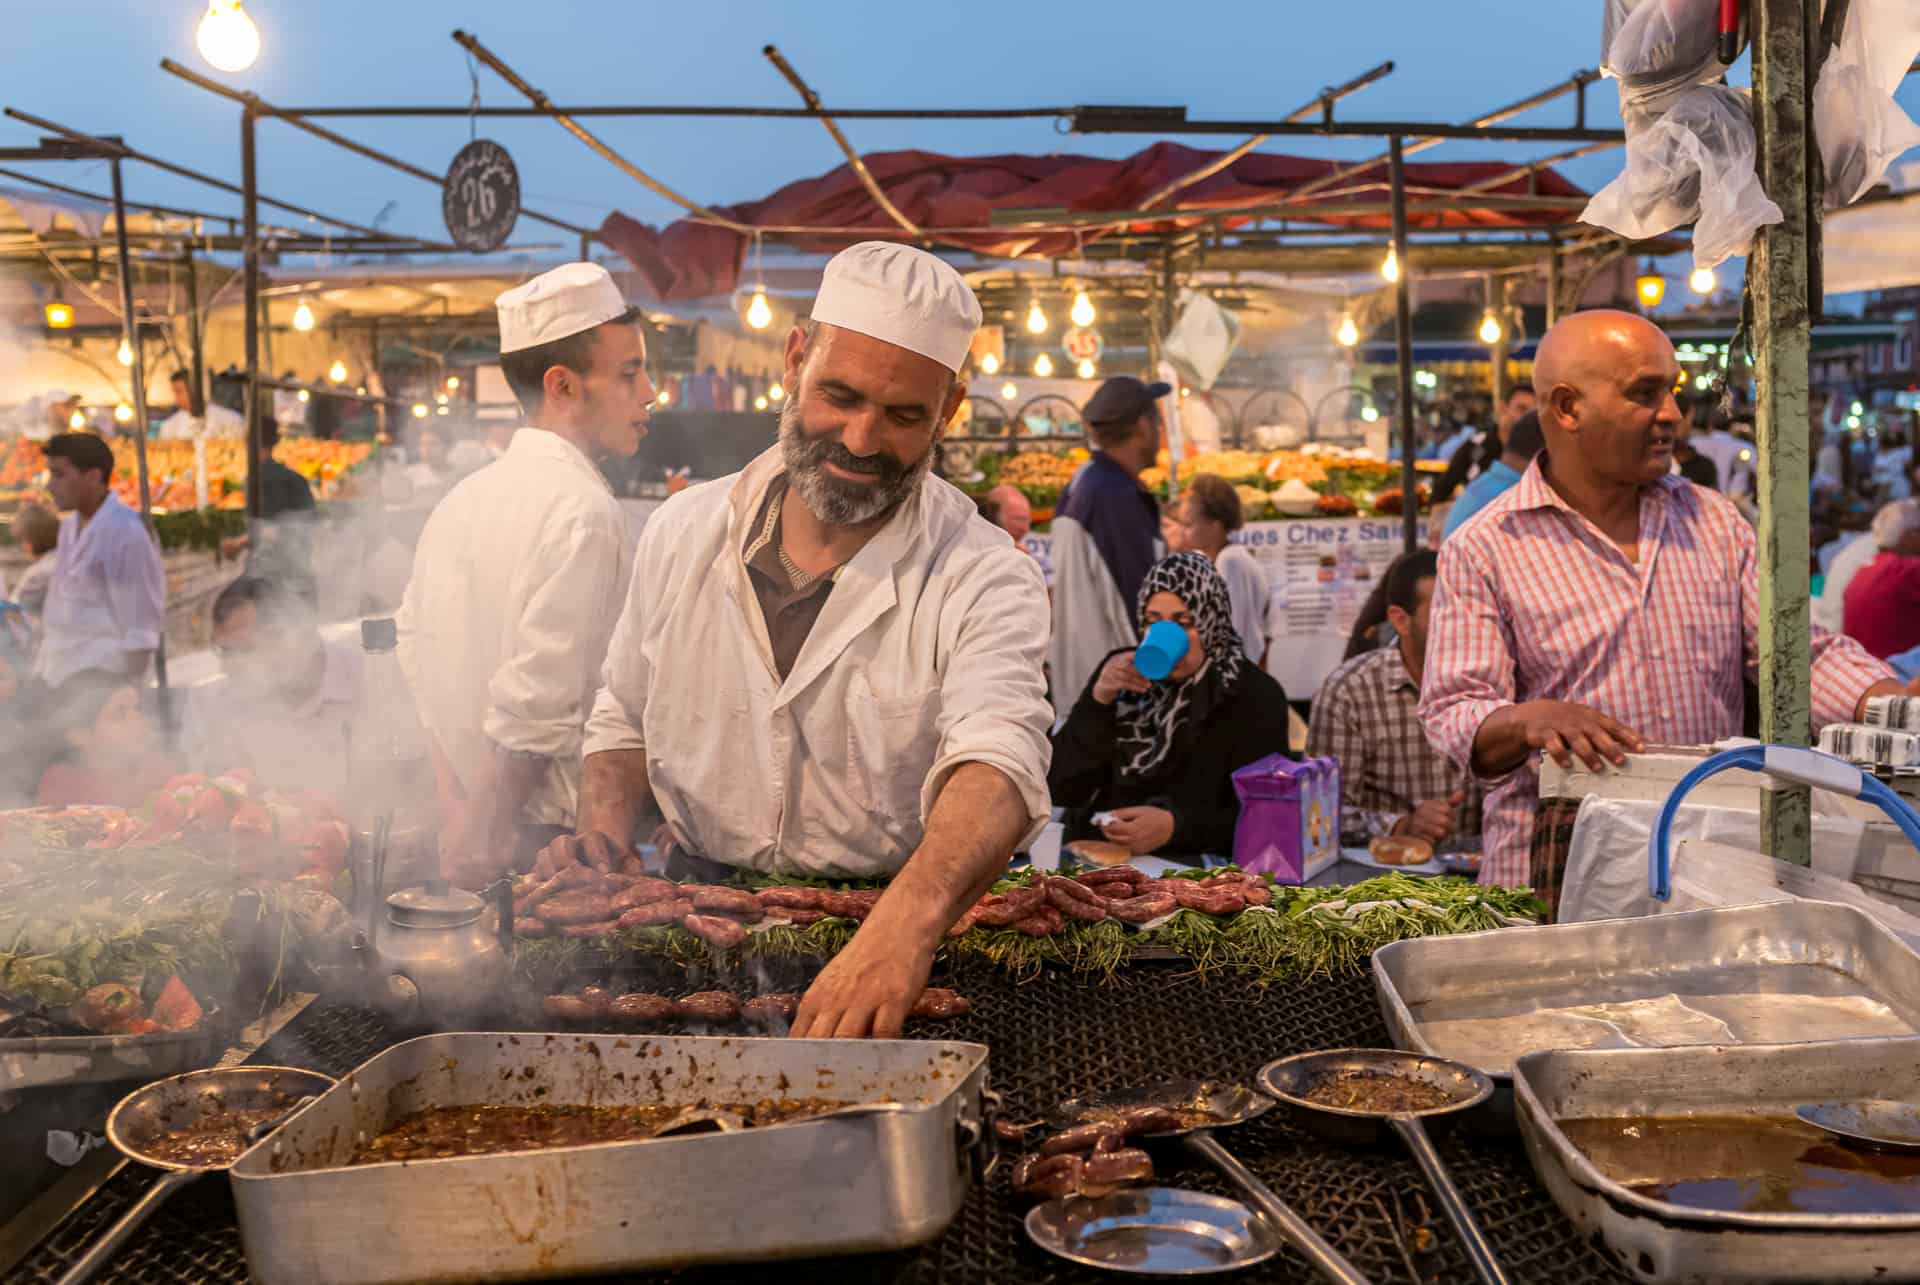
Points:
x=1154, y=760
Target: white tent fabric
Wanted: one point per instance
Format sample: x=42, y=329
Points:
x=1874, y=245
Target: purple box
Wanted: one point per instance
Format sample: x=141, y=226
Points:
x=1289, y=823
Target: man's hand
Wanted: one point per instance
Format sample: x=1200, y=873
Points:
x=1885, y=687
x=1119, y=675
x=870, y=986
x=1142, y=830
x=1559, y=729
x=1433, y=820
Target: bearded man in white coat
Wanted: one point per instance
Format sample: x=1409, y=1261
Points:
x=829, y=664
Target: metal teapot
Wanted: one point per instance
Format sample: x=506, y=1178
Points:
x=435, y=959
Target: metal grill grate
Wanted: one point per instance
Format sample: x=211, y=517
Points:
x=1051, y=1037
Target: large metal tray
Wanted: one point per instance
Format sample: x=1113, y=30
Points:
x=874, y=1181
x=45, y=1060
x=1657, y=1241
x=1789, y=971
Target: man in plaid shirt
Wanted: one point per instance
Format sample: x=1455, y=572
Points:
x=1601, y=604
x=1392, y=782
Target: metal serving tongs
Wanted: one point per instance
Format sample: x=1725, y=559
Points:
x=1226, y=1105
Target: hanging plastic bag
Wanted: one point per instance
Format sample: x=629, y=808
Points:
x=1202, y=339
x=1695, y=164
x=1657, y=49
x=1861, y=129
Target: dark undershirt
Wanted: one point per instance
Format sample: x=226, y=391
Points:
x=789, y=611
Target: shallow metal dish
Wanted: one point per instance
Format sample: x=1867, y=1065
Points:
x=1659, y=1241
x=1786, y=971
x=40, y=1061
x=1154, y=1231
x=845, y=1183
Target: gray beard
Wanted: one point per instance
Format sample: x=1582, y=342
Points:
x=828, y=498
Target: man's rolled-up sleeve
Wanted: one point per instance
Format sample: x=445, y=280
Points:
x=537, y=700
x=993, y=699
x=1470, y=667
x=136, y=589
x=620, y=706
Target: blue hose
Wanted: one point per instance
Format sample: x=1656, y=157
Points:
x=1659, y=854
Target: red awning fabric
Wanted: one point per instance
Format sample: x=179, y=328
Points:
x=952, y=198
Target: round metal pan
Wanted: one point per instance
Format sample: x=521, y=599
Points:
x=1291, y=1079
x=1154, y=1231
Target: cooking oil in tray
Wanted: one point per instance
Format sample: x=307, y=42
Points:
x=1754, y=1164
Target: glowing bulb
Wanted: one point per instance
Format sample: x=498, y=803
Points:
x=1853, y=421
x=453, y=381
x=1348, y=334
x=1390, y=266
x=440, y=399
x=304, y=396
x=1185, y=391
x=77, y=420
x=1746, y=457
x=125, y=353
x=1043, y=365
x=775, y=393
x=759, y=403
x=227, y=37
x=1036, y=320
x=665, y=398
x=303, y=317
x=337, y=372
x=1490, y=329
x=1702, y=382
x=444, y=410
x=1085, y=368
x=1370, y=414
x=1008, y=392
x=1652, y=288
x=419, y=410
x=1082, y=312
x=1702, y=281
x=1856, y=409
x=361, y=391
x=59, y=316
x=759, y=315
x=990, y=364
x=123, y=413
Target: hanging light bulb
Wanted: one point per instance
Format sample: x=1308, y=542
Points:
x=760, y=403
x=1008, y=392
x=227, y=37
x=1650, y=286
x=77, y=420
x=1082, y=313
x=1043, y=365
x=443, y=410
x=665, y=398
x=1490, y=331
x=440, y=399
x=1036, y=320
x=759, y=315
x=775, y=393
x=1348, y=334
x=419, y=410
x=123, y=413
x=125, y=353
x=1085, y=368
x=304, y=396
x=1390, y=266
x=1702, y=281
x=59, y=316
x=337, y=372
x=303, y=317
x=1370, y=414
x=990, y=364
x=453, y=382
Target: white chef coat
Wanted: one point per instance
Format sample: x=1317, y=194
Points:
x=107, y=595
x=516, y=584
x=926, y=656
x=302, y=746
x=218, y=422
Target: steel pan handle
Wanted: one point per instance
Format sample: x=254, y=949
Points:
x=1479, y=1252
x=102, y=1250
x=1325, y=1258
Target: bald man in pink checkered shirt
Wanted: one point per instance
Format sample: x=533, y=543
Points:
x=1602, y=604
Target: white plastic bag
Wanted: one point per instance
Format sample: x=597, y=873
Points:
x=1694, y=164
x=1861, y=129
x=1202, y=339
x=1658, y=48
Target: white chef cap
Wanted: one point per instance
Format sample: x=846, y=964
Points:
x=901, y=296
x=1893, y=521
x=568, y=300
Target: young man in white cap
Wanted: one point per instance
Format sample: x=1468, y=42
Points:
x=520, y=572
x=829, y=664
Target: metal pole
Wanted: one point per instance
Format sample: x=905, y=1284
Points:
x=130, y=334
x=1782, y=340
x=1553, y=283
x=1403, y=338
x=1496, y=297
x=250, y=306
x=196, y=345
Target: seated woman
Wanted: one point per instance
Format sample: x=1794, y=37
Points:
x=101, y=747
x=1161, y=756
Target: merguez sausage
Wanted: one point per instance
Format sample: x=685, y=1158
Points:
x=793, y=898
x=711, y=1006
x=937, y=1004
x=1143, y=909
x=1075, y=900
x=1044, y=922
x=655, y=913
x=1105, y=1170
x=1081, y=1137
x=575, y=908
x=1002, y=909
x=737, y=902
x=639, y=1006
x=1113, y=875
x=722, y=934
x=597, y=929
x=643, y=891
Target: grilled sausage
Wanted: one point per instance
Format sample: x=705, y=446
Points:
x=599, y=997
x=643, y=891
x=639, y=1006
x=576, y=908
x=771, y=1010
x=568, y=1008
x=964, y=924
x=723, y=934
x=781, y=915
x=523, y=927
x=937, y=1004
x=1081, y=1137
x=1044, y=922
x=1048, y=1177
x=1075, y=900
x=1257, y=894
x=1107, y=876
x=711, y=899
x=1003, y=909
x=1212, y=901
x=1135, y=1122
x=1143, y=909
x=710, y=1006
x=1103, y=1172
x=597, y=929
x=656, y=913
x=793, y=898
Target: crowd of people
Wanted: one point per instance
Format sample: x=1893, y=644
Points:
x=834, y=664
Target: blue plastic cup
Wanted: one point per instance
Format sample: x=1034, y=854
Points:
x=1164, y=647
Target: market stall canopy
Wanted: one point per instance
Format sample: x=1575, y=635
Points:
x=1053, y=206
x=1874, y=245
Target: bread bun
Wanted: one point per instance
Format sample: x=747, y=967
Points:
x=1100, y=852
x=1391, y=850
